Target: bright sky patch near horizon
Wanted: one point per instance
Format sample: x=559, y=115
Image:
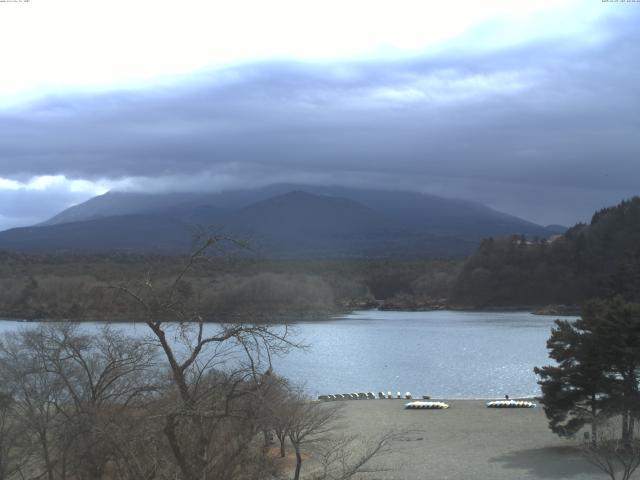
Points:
x=526, y=106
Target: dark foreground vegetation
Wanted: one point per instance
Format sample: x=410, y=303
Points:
x=109, y=406
x=188, y=402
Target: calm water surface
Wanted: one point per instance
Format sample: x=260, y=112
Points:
x=444, y=354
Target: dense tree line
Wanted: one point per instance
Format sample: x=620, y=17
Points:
x=78, y=287
x=588, y=261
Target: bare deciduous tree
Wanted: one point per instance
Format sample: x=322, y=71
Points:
x=314, y=430
x=344, y=457
x=36, y=397
x=12, y=439
x=310, y=422
x=214, y=371
x=189, y=401
x=614, y=454
x=72, y=391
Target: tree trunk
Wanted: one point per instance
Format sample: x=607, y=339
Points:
x=171, y=434
x=594, y=422
x=625, y=427
x=203, y=456
x=282, y=450
x=63, y=473
x=47, y=457
x=296, y=476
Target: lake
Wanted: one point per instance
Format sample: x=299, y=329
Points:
x=445, y=354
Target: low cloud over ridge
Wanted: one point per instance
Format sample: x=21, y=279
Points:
x=543, y=130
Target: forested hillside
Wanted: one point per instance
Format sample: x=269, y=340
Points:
x=588, y=261
x=592, y=260
x=80, y=287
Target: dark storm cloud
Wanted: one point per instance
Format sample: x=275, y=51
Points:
x=547, y=131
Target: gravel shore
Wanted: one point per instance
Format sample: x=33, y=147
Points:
x=467, y=441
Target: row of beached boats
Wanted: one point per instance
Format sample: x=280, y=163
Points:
x=369, y=396
x=511, y=404
x=426, y=405
x=492, y=404
x=421, y=405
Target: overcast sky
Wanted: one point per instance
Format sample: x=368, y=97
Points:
x=532, y=108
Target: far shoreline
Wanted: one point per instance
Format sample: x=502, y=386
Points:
x=327, y=316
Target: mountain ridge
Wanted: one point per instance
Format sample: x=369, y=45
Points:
x=281, y=220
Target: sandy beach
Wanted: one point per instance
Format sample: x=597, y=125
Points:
x=467, y=441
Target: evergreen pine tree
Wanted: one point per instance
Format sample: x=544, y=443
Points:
x=574, y=390
x=598, y=369
x=617, y=329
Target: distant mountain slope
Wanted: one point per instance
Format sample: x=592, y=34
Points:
x=297, y=223
x=282, y=220
x=438, y=215
x=593, y=260
x=124, y=203
x=430, y=213
x=120, y=232
x=300, y=212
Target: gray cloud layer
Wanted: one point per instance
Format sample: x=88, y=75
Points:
x=546, y=131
